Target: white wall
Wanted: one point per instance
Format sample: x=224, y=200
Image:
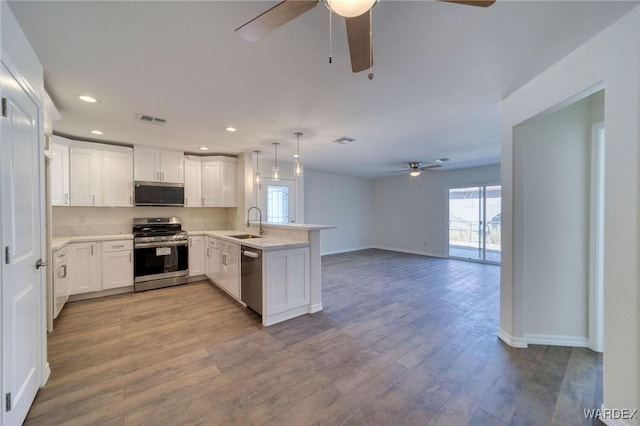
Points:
x=414, y=219
x=344, y=201
x=553, y=195
x=612, y=59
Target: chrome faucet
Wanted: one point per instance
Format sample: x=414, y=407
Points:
x=260, y=217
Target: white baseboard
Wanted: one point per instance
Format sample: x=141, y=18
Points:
x=514, y=342
x=315, y=308
x=45, y=375
x=401, y=250
x=346, y=250
x=554, y=340
x=612, y=422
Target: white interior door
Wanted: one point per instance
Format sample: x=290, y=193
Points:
x=22, y=283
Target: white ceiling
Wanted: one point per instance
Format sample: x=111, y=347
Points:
x=440, y=72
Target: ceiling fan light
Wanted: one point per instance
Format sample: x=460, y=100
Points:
x=415, y=173
x=350, y=8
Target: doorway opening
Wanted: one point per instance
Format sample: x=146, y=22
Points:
x=475, y=223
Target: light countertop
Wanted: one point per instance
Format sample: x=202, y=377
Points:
x=60, y=242
x=265, y=242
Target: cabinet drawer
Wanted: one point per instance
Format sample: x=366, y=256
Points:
x=120, y=245
x=59, y=256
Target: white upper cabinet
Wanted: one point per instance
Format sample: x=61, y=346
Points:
x=154, y=165
x=59, y=171
x=172, y=166
x=192, y=181
x=84, y=176
x=117, y=173
x=100, y=175
x=211, y=182
x=146, y=164
x=229, y=183
x=220, y=181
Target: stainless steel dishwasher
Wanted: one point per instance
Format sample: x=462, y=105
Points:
x=251, y=278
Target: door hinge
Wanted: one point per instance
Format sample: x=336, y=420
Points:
x=4, y=107
x=8, y=401
x=7, y=255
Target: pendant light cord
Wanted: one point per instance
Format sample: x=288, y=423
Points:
x=370, y=76
x=330, y=35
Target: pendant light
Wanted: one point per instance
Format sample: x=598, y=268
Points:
x=297, y=166
x=257, y=175
x=275, y=171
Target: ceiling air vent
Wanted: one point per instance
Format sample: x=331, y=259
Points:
x=144, y=118
x=344, y=140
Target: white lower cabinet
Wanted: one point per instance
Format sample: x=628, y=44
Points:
x=60, y=280
x=286, y=288
x=230, y=275
x=213, y=259
x=84, y=267
x=96, y=266
x=196, y=256
x=117, y=264
x=223, y=265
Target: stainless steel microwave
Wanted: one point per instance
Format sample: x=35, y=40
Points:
x=159, y=194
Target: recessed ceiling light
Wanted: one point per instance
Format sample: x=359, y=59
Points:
x=97, y=132
x=230, y=129
x=204, y=148
x=87, y=98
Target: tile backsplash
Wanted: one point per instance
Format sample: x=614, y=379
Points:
x=70, y=221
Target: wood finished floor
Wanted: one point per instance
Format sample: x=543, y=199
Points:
x=403, y=340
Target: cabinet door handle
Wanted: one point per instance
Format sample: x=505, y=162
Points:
x=208, y=255
x=190, y=242
x=186, y=201
x=66, y=198
x=118, y=246
x=130, y=257
x=91, y=249
x=93, y=200
x=163, y=176
x=130, y=200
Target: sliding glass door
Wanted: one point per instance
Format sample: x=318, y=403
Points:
x=474, y=223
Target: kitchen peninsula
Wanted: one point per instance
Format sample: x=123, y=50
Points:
x=290, y=266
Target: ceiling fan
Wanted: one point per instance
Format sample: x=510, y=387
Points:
x=357, y=17
x=414, y=168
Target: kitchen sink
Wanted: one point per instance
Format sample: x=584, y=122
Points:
x=245, y=236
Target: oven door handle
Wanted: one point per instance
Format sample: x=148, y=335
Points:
x=162, y=244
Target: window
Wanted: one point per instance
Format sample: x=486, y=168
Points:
x=277, y=204
x=277, y=200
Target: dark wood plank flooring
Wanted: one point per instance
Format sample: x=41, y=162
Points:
x=403, y=340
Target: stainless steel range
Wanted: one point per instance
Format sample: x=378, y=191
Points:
x=161, y=253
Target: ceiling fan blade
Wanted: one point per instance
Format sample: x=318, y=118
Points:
x=273, y=18
x=433, y=166
x=400, y=171
x=359, y=37
x=479, y=3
